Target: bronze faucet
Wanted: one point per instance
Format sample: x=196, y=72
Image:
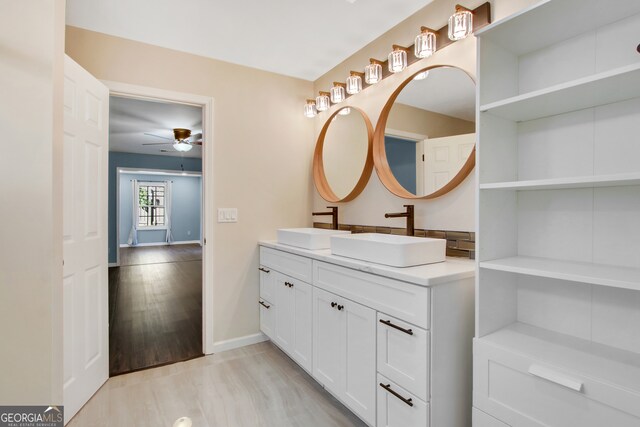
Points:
x=334, y=216
x=409, y=214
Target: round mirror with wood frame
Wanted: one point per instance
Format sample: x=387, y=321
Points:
x=347, y=142
x=446, y=121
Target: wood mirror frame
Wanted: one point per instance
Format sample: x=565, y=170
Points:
x=380, y=156
x=319, y=177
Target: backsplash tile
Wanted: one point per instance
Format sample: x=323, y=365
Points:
x=459, y=243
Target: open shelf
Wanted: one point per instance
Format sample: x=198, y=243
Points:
x=620, y=367
x=603, y=88
x=565, y=183
x=595, y=274
x=553, y=21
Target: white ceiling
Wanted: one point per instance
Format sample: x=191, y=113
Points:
x=130, y=119
x=299, y=38
x=449, y=91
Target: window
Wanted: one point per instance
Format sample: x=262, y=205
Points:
x=151, y=212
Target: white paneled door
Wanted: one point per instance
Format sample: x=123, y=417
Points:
x=85, y=278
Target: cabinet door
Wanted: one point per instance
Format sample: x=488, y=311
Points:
x=397, y=407
x=267, y=283
x=359, y=346
x=267, y=318
x=329, y=336
x=285, y=313
x=301, y=350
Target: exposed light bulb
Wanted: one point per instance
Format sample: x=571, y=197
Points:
x=397, y=59
x=322, y=101
x=337, y=93
x=310, y=108
x=425, y=44
x=354, y=83
x=460, y=23
x=373, y=72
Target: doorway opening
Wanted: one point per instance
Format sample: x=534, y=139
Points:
x=156, y=235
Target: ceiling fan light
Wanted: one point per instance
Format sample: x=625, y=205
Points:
x=182, y=146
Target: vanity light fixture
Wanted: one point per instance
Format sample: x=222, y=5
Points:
x=322, y=101
x=397, y=59
x=373, y=72
x=460, y=23
x=422, y=75
x=354, y=83
x=345, y=111
x=310, y=108
x=425, y=44
x=337, y=92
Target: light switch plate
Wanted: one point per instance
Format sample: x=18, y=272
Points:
x=227, y=215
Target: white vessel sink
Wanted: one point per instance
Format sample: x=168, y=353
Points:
x=389, y=249
x=308, y=238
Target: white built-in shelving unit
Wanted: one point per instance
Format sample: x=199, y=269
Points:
x=558, y=284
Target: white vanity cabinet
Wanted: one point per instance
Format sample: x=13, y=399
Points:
x=344, y=337
x=285, y=303
x=392, y=344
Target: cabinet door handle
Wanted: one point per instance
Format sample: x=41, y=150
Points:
x=264, y=305
x=264, y=269
x=554, y=377
x=390, y=390
x=333, y=304
x=340, y=307
x=388, y=323
x=288, y=284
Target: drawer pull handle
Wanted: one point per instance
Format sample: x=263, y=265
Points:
x=390, y=390
x=388, y=323
x=264, y=305
x=264, y=269
x=554, y=377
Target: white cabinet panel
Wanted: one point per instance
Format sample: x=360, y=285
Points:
x=292, y=265
x=301, y=344
x=267, y=318
x=399, y=408
x=481, y=419
x=328, y=338
x=267, y=283
x=403, y=354
x=285, y=313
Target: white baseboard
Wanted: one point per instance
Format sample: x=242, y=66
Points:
x=182, y=242
x=234, y=343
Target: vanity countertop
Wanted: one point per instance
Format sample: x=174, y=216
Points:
x=423, y=275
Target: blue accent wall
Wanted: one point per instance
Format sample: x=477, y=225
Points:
x=401, y=155
x=143, y=161
x=186, y=196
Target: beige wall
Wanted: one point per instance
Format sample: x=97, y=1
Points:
x=434, y=125
x=31, y=76
x=454, y=211
x=262, y=146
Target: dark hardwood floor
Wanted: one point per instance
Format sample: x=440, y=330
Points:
x=155, y=307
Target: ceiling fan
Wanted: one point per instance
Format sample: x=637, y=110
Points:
x=182, y=139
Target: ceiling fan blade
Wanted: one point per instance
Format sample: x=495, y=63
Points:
x=158, y=136
x=158, y=143
x=196, y=142
x=195, y=137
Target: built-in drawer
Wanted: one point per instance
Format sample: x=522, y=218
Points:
x=399, y=408
x=267, y=283
x=522, y=391
x=403, y=354
x=481, y=419
x=401, y=300
x=267, y=318
x=292, y=265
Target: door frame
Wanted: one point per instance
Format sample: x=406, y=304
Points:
x=208, y=218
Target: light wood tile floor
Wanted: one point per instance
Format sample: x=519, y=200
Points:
x=252, y=386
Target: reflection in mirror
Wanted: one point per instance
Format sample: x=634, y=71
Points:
x=430, y=130
x=345, y=151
